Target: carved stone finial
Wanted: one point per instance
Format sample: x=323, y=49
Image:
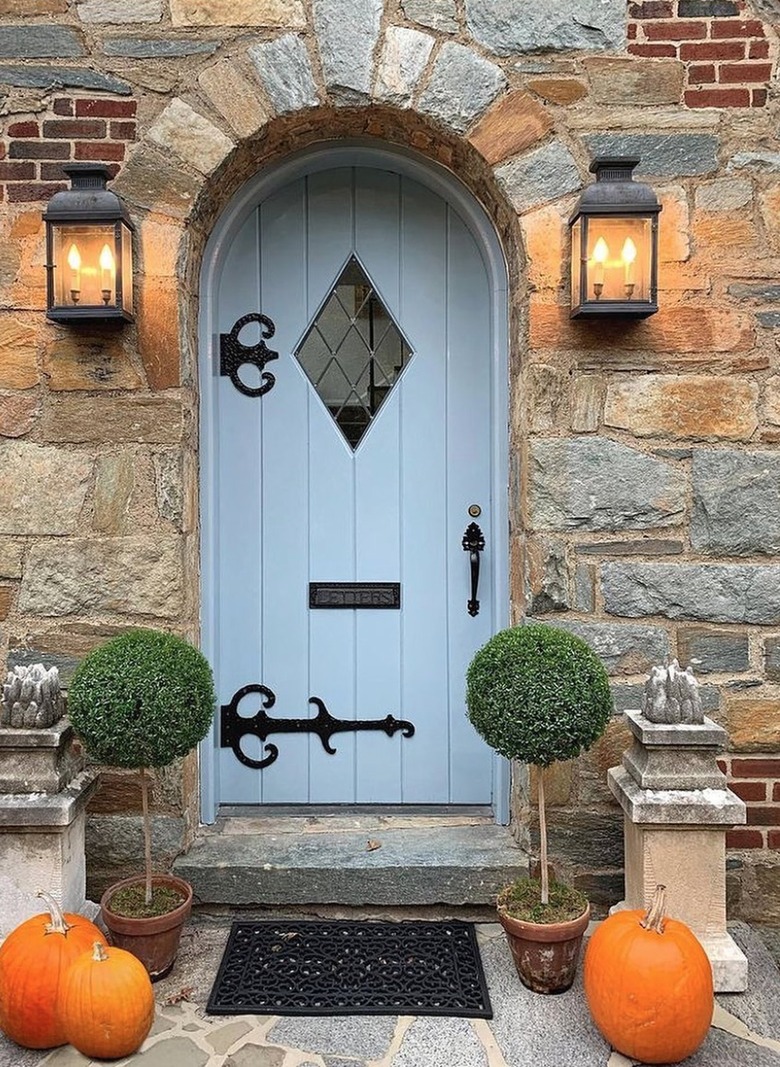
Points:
x=672, y=696
x=31, y=697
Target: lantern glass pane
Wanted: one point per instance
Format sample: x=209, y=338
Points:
x=576, y=263
x=84, y=258
x=127, y=268
x=619, y=258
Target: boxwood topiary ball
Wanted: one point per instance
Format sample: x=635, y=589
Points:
x=538, y=694
x=142, y=699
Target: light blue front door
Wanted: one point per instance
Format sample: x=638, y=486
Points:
x=359, y=465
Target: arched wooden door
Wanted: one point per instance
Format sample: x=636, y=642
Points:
x=342, y=494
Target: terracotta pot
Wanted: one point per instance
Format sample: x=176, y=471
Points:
x=153, y=941
x=545, y=954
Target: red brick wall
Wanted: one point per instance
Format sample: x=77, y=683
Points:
x=756, y=779
x=76, y=129
x=725, y=50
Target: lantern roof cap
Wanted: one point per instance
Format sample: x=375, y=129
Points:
x=615, y=192
x=626, y=164
x=88, y=199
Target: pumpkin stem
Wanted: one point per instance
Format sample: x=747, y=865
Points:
x=57, y=924
x=656, y=913
x=99, y=954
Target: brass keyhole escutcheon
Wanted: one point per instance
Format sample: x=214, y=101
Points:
x=475, y=511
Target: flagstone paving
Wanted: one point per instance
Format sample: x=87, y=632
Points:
x=527, y=1030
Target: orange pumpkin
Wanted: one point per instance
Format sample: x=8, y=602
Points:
x=648, y=984
x=33, y=961
x=106, y=1004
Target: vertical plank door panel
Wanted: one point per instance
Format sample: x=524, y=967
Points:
x=470, y=481
x=378, y=498
x=282, y=253
x=331, y=504
x=425, y=768
x=237, y=429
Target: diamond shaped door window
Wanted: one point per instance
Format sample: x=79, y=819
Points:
x=353, y=352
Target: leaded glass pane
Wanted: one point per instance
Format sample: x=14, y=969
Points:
x=353, y=353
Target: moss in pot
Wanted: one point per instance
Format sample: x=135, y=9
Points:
x=141, y=700
x=538, y=694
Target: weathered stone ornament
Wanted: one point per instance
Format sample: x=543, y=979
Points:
x=44, y=791
x=671, y=696
x=677, y=808
x=31, y=697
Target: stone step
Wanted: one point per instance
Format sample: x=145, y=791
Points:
x=411, y=862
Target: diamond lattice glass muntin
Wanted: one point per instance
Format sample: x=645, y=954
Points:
x=353, y=353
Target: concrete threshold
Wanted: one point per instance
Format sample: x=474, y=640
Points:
x=352, y=860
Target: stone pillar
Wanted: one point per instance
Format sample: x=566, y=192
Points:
x=44, y=789
x=676, y=812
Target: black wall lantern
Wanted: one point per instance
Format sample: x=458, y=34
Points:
x=614, y=244
x=89, y=250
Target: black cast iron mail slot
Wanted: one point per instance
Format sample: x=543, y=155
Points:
x=354, y=594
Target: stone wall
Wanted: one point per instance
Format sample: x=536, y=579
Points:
x=645, y=472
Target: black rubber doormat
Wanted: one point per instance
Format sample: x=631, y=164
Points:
x=351, y=968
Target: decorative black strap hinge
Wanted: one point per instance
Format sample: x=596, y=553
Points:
x=234, y=727
x=233, y=354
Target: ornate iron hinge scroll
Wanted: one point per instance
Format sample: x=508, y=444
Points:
x=234, y=727
x=233, y=354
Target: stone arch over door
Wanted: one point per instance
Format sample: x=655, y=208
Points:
x=502, y=149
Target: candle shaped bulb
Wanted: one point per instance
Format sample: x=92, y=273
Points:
x=629, y=255
x=74, y=262
x=106, y=273
x=600, y=254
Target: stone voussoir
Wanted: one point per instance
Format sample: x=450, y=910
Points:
x=461, y=87
x=190, y=136
x=347, y=33
x=234, y=97
x=511, y=126
x=284, y=69
x=404, y=57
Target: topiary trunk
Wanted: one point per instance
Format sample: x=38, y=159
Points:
x=147, y=834
x=545, y=876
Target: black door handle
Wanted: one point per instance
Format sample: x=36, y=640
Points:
x=473, y=543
